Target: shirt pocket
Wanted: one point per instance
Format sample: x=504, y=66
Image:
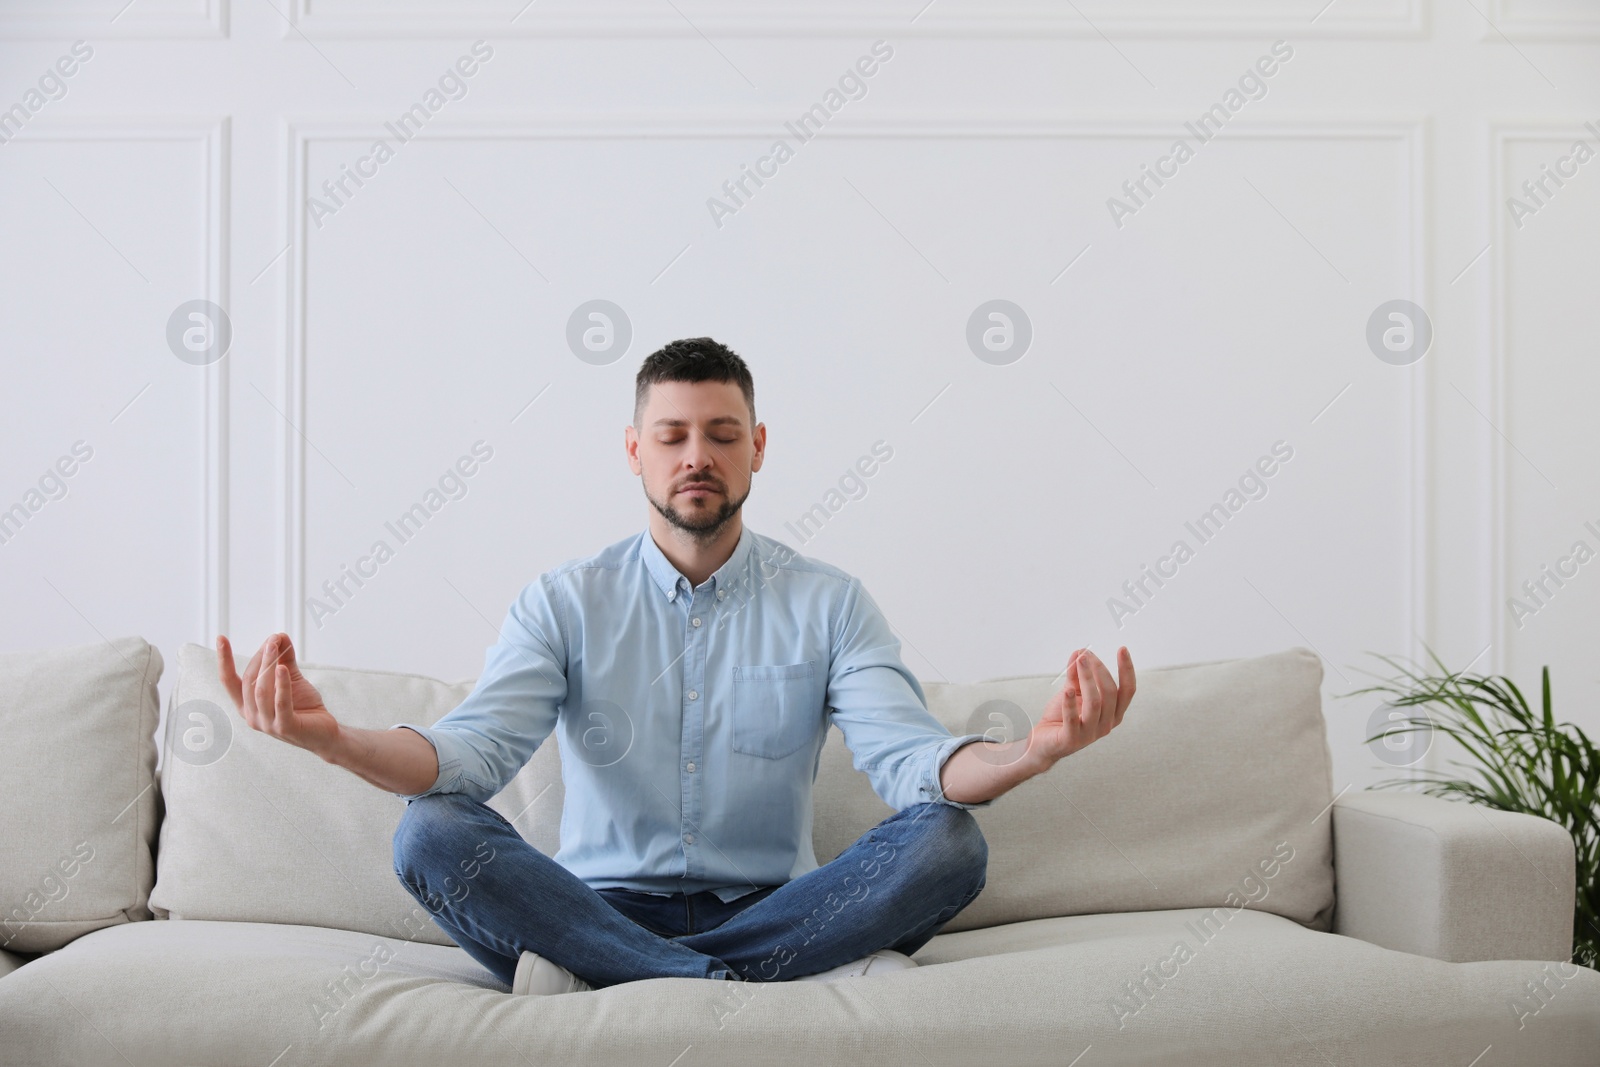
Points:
x=775, y=709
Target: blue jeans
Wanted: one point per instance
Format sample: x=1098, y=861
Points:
x=497, y=896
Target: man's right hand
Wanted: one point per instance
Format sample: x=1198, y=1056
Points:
x=275, y=698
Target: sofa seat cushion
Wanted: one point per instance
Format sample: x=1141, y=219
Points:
x=1263, y=989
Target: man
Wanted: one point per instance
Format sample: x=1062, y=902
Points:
x=692, y=671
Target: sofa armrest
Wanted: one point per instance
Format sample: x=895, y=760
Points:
x=1451, y=880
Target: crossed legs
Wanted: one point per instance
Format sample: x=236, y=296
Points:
x=498, y=896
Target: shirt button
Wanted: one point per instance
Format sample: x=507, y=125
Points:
x=690, y=767
x=721, y=593
x=693, y=695
x=695, y=621
x=688, y=839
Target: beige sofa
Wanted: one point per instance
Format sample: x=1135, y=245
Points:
x=1193, y=889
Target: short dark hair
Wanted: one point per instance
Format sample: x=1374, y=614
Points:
x=693, y=359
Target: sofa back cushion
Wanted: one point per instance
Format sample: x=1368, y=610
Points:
x=257, y=830
x=1213, y=792
x=78, y=728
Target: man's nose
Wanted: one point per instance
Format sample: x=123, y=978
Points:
x=700, y=456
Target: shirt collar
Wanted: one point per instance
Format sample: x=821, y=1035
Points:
x=667, y=576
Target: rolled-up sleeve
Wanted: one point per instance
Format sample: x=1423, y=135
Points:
x=486, y=739
x=881, y=710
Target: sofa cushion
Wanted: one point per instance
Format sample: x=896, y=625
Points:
x=260, y=830
x=1262, y=989
x=1214, y=789
x=80, y=806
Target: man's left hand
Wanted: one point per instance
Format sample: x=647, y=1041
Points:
x=1088, y=706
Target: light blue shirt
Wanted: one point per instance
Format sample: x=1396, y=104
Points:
x=691, y=719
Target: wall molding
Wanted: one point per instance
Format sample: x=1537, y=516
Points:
x=214, y=137
x=1412, y=135
x=219, y=156
x=1524, y=25
x=1420, y=384
x=1003, y=18
x=209, y=20
x=1502, y=135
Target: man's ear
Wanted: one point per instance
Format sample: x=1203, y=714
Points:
x=630, y=447
x=760, y=439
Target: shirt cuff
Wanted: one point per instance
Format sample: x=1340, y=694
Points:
x=449, y=777
x=930, y=790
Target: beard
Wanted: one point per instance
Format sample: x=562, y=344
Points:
x=702, y=521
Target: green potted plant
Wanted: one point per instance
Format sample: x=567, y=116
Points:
x=1520, y=761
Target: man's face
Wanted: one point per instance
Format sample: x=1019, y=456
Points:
x=696, y=434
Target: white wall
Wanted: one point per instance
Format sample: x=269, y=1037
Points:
x=373, y=345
